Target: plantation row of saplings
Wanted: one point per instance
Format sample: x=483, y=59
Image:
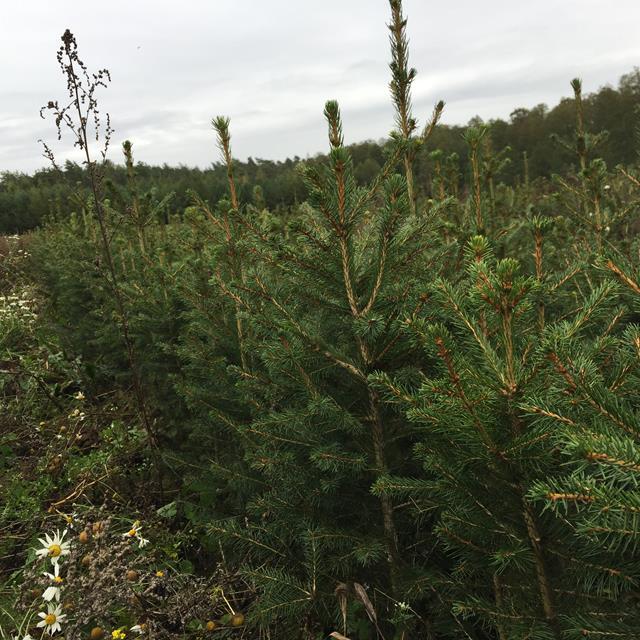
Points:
x=394, y=412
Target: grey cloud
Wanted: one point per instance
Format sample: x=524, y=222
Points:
x=271, y=64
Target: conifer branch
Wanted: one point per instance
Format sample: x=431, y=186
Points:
x=402, y=76
x=221, y=126
x=303, y=334
x=626, y=279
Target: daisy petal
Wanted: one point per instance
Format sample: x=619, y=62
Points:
x=49, y=593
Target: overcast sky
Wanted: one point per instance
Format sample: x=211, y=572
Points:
x=271, y=64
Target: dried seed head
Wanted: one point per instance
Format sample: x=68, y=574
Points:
x=237, y=620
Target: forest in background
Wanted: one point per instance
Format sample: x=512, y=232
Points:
x=402, y=405
x=27, y=200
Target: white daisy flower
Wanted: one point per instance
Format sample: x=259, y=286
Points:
x=53, y=591
x=51, y=619
x=54, y=547
x=138, y=628
x=142, y=542
x=133, y=532
x=70, y=518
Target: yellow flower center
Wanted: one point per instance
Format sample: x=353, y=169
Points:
x=55, y=550
x=58, y=580
x=160, y=574
x=50, y=619
x=132, y=532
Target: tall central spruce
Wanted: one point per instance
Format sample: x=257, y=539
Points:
x=322, y=307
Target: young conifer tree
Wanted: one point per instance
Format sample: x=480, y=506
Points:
x=591, y=408
x=530, y=438
x=485, y=446
x=212, y=352
x=323, y=306
x=325, y=309
x=584, y=194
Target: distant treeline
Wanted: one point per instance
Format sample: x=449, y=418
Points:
x=25, y=200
